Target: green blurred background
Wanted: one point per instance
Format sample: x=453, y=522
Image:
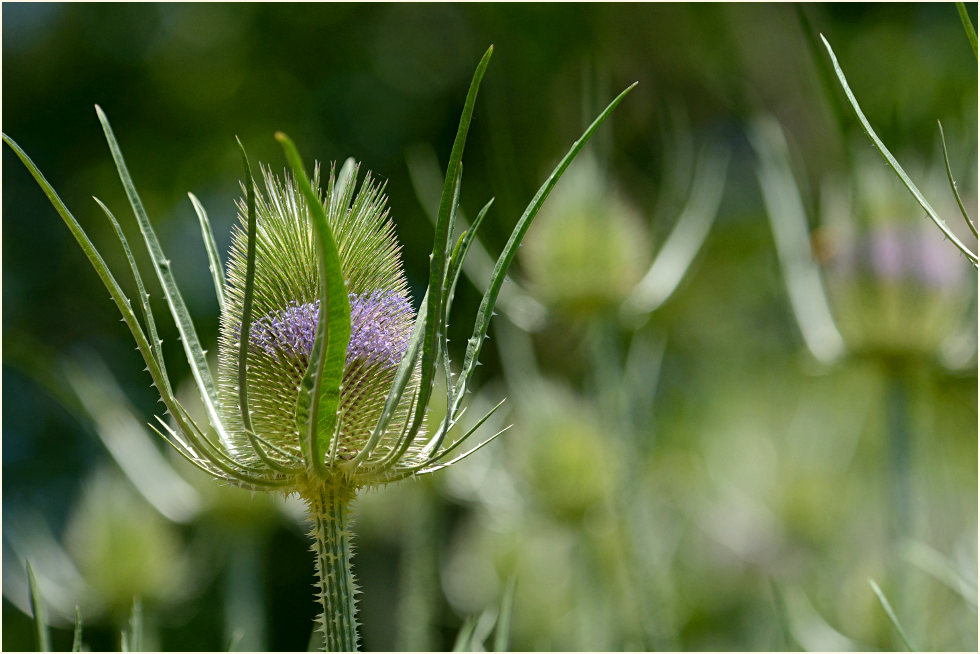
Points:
x=692, y=478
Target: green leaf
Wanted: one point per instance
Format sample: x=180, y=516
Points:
x=40, y=612
x=893, y=163
x=185, y=327
x=485, y=312
x=952, y=183
x=971, y=34
x=891, y=615
x=151, y=327
x=438, y=258
x=214, y=261
x=319, y=397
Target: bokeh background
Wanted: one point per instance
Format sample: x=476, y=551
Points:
x=714, y=455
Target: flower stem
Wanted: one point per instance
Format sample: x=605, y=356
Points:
x=329, y=505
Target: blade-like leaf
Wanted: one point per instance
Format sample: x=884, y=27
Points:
x=214, y=261
x=438, y=258
x=952, y=182
x=178, y=309
x=319, y=397
x=485, y=312
x=521, y=309
x=971, y=33
x=151, y=327
x=893, y=163
x=891, y=615
x=40, y=613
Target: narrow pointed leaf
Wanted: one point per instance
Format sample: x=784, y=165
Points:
x=214, y=261
x=952, y=182
x=141, y=289
x=971, y=33
x=485, y=312
x=437, y=263
x=893, y=163
x=319, y=396
x=178, y=309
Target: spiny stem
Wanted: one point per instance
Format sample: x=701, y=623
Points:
x=329, y=505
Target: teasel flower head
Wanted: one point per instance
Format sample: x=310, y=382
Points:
x=284, y=313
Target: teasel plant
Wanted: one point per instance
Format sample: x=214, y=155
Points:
x=325, y=371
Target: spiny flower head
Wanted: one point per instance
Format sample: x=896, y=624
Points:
x=286, y=312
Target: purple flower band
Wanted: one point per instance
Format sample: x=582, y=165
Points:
x=380, y=328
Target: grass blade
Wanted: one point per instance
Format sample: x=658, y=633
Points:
x=438, y=261
x=76, y=640
x=178, y=309
x=214, y=261
x=952, y=183
x=971, y=33
x=319, y=396
x=893, y=163
x=891, y=615
x=485, y=312
x=40, y=612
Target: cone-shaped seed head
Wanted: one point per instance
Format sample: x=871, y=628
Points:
x=286, y=309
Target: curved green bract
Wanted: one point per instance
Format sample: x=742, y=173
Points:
x=188, y=335
x=893, y=163
x=141, y=289
x=485, y=312
x=437, y=265
x=214, y=262
x=319, y=397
